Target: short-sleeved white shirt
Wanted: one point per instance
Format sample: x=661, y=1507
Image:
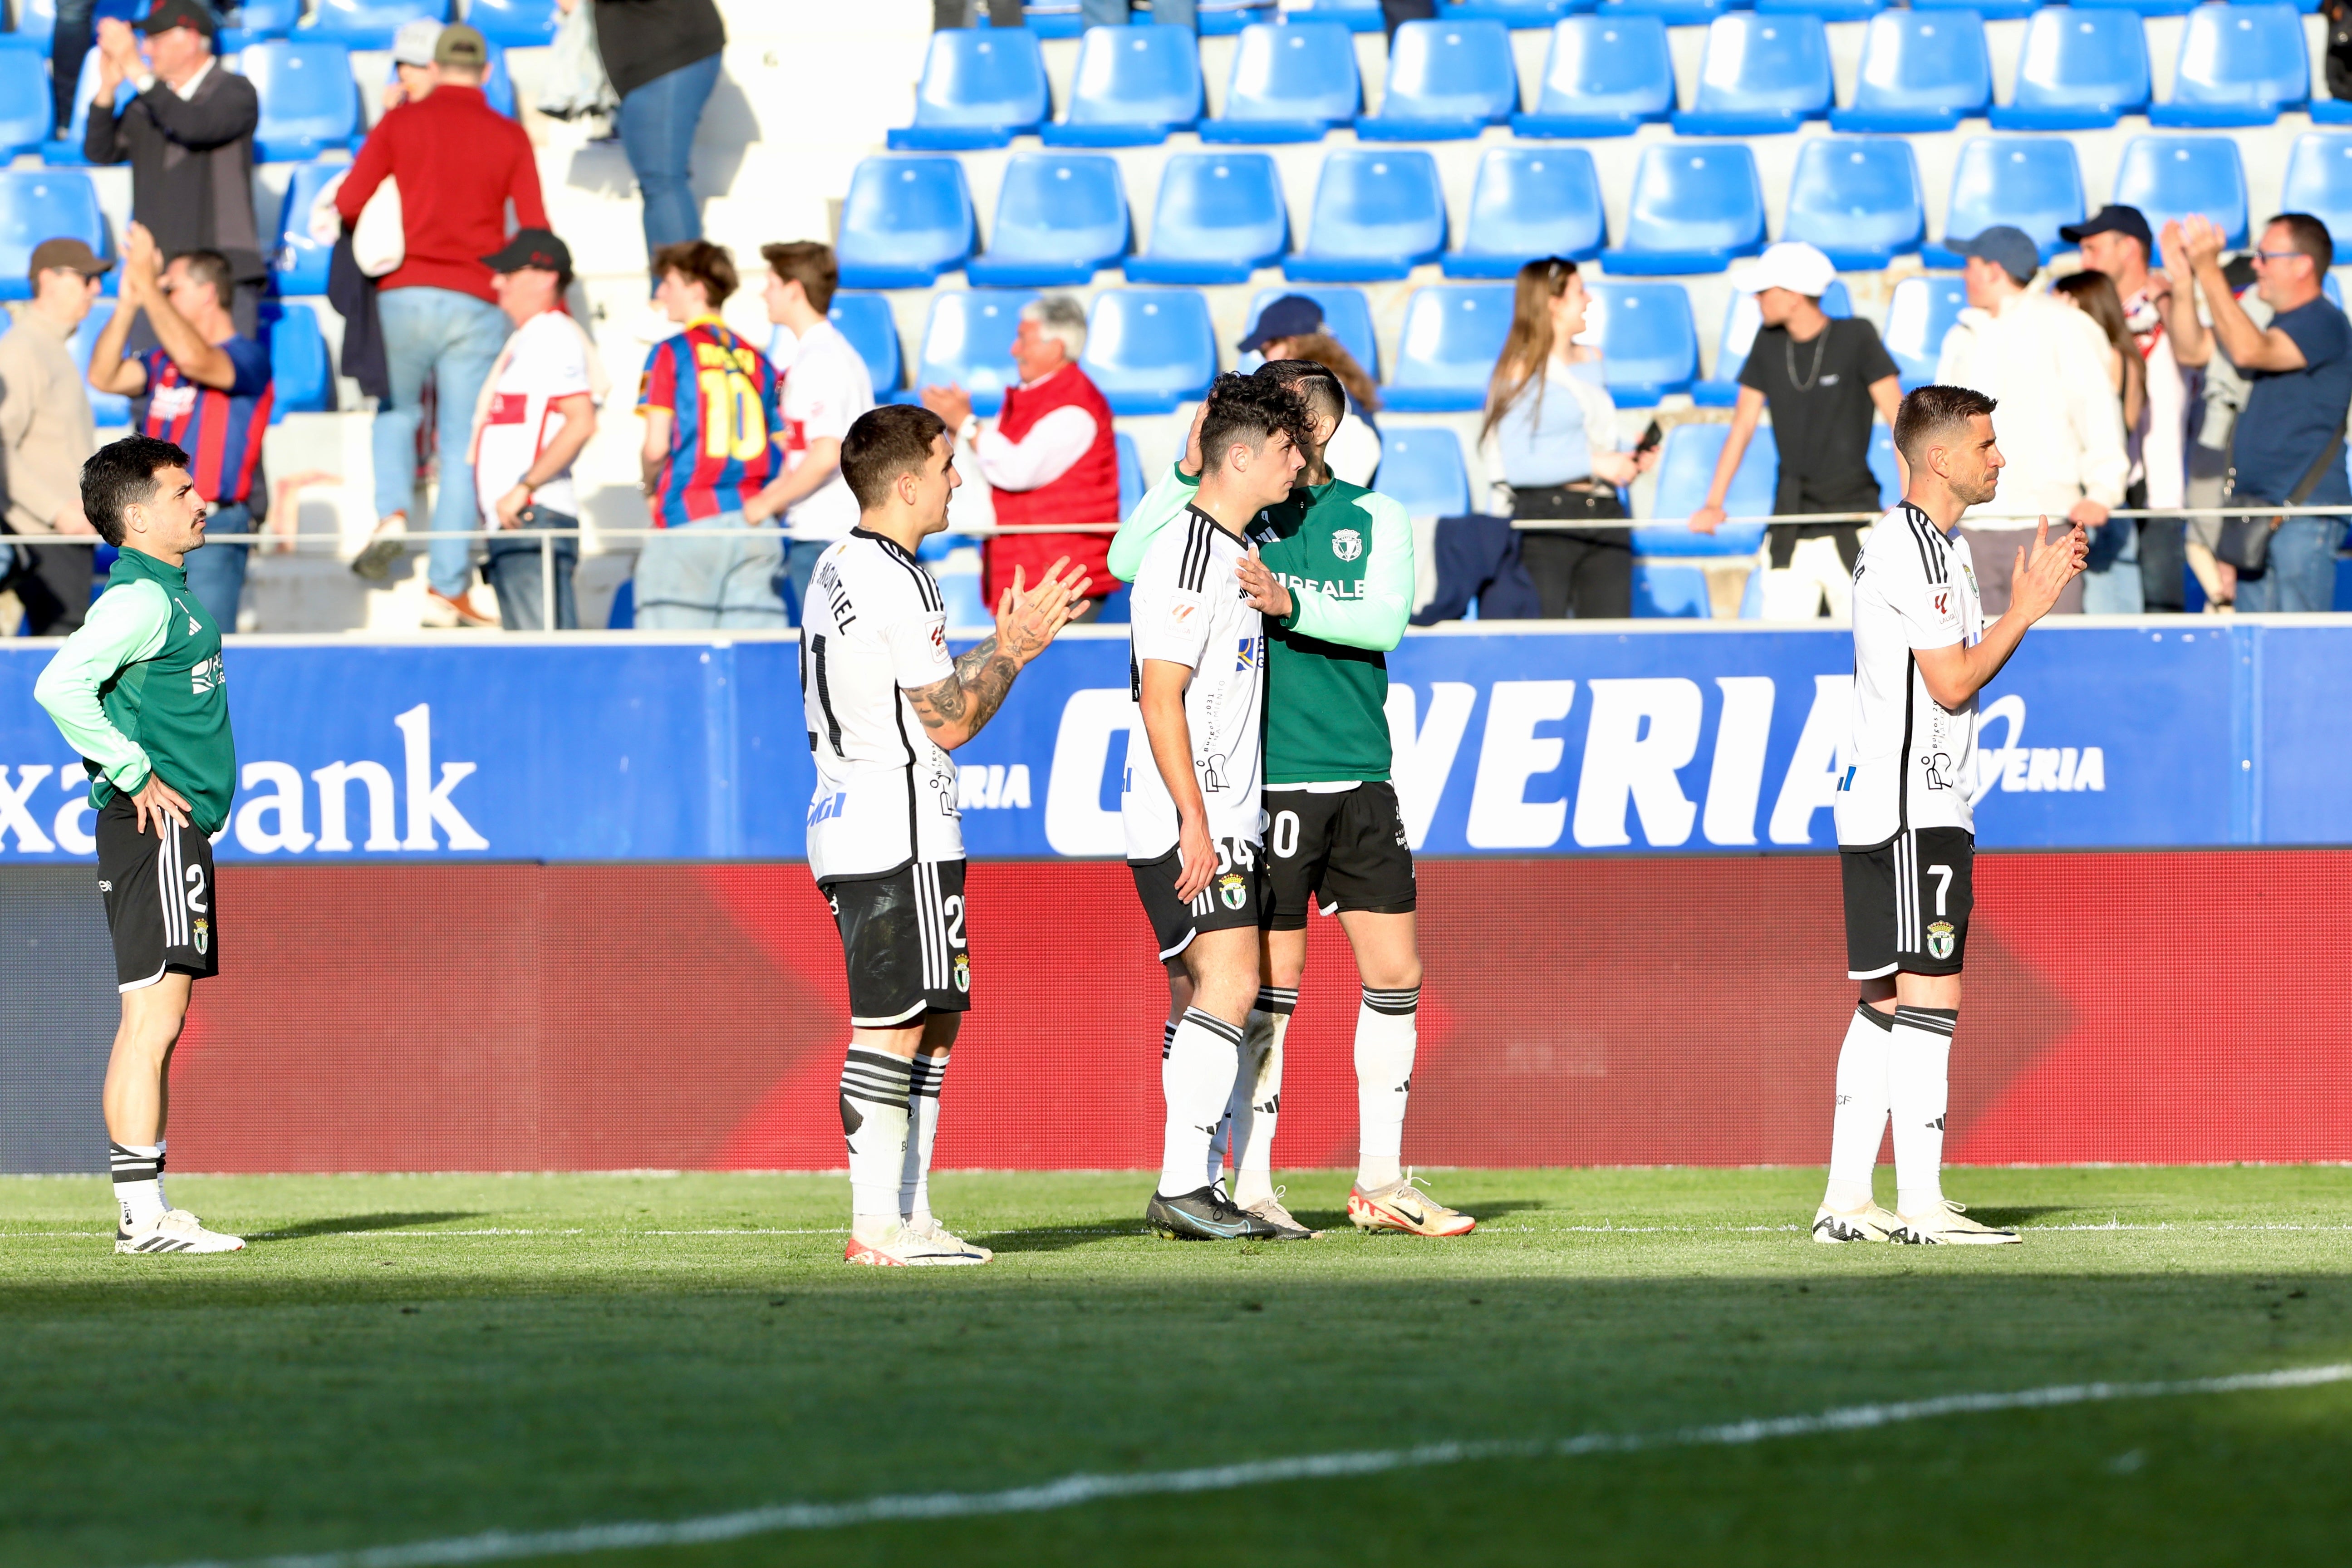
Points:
x=825, y=388
x=874, y=628
x=1186, y=608
x=1910, y=762
x=547, y=359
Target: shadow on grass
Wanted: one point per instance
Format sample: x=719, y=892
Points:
x=346, y=1224
x=1059, y=1237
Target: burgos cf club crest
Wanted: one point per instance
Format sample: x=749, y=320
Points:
x=1940, y=940
x=1231, y=889
x=963, y=971
x=1347, y=545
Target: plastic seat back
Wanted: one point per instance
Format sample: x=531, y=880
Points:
x=1219, y=211
x=1137, y=76
x=866, y=321
x=1858, y=198
x=27, y=111
x=1298, y=72
x=1060, y=215
x=2248, y=56
x=1346, y=319
x=299, y=375
x=1452, y=334
x=968, y=342
x=1131, y=471
x=2031, y=182
x=1777, y=63
x=1670, y=593
x=1374, y=205
x=1649, y=343
x=369, y=24
x=983, y=78
x=904, y=221
x=2319, y=181
x=1914, y=60
x=2076, y=57
x=1921, y=311
x=1149, y=349
x=1421, y=470
x=1450, y=72
x=43, y=203
x=510, y=24
x=2168, y=177
x=1529, y=202
x=299, y=262
x=1686, y=470
x=1696, y=197
x=1608, y=65
x=308, y=101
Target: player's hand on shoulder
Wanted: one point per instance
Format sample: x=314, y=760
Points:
x=1264, y=590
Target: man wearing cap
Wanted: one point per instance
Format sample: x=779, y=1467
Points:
x=1293, y=327
x=2059, y=423
x=185, y=127
x=46, y=433
x=1822, y=379
x=457, y=162
x=412, y=62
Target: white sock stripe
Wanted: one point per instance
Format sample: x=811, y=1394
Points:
x=1914, y=1018
x=930, y=928
x=929, y=1073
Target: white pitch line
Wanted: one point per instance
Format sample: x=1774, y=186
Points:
x=1069, y=1491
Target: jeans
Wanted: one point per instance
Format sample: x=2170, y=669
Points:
x=1113, y=13
x=2300, y=575
x=800, y=564
x=74, y=33
x=657, y=125
x=216, y=573
x=2164, y=566
x=453, y=339
x=2111, y=583
x=714, y=574
x=517, y=571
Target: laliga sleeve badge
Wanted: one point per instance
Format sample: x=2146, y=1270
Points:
x=964, y=972
x=1940, y=940
x=1232, y=890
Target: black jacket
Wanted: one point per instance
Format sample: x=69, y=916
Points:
x=190, y=165
x=641, y=39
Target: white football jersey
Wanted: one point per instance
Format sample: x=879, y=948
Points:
x=1910, y=762
x=874, y=628
x=1188, y=608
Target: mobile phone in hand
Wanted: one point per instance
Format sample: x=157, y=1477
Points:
x=1649, y=440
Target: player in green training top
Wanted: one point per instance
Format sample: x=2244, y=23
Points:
x=1336, y=581
x=140, y=692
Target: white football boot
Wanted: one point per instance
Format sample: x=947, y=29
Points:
x=931, y=1230
x=174, y=1230
x=1401, y=1205
x=1270, y=1210
x=900, y=1248
x=1872, y=1223
x=1953, y=1228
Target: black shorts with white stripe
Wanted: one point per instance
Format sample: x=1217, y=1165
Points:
x=160, y=905
x=1907, y=903
x=902, y=937
x=1235, y=895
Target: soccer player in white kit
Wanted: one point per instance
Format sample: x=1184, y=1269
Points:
x=1905, y=826
x=885, y=704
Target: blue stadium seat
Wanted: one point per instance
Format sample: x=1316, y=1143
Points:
x=866, y=321
x=2238, y=65
x=309, y=102
x=1882, y=465
x=2140, y=8
x=1347, y=318
x=1223, y=18
x=1060, y=218
x=982, y=86
x=1378, y=214
x=1685, y=468
x=1760, y=75
x=1421, y=470
x=968, y=342
x=27, y=111
x=1988, y=10
x=107, y=409
x=1741, y=322
x=303, y=381
x=1827, y=10
x=1356, y=16
x=1218, y=218
x=259, y=19
x=1604, y=76
x=1670, y=593
x=497, y=85
x=66, y=150
x=1150, y=349
x=1289, y=83
x=2031, y=182
x=37, y=22
x=1918, y=315
x=2319, y=181
x=2078, y=69
x=1695, y=205
x=1673, y=13
x=905, y=221
x=369, y=24
x=299, y=263
x=1447, y=81
x=1528, y=203
x=45, y=204
x=1520, y=13
x=1053, y=19
x=2168, y=177
x=1134, y=85
x=1857, y=198
x=1649, y=344
x=1445, y=355
x=510, y=24
x=1920, y=70
x=1131, y=484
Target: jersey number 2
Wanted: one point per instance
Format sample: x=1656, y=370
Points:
x=733, y=424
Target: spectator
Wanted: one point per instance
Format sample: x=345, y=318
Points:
x=1551, y=433
x=537, y=410
x=663, y=59
x=209, y=393
x=826, y=387
x=2219, y=403
x=2117, y=243
x=1113, y=14
x=186, y=130
x=1292, y=327
x=69, y=39
x=1822, y=380
x=2059, y=426
x=1051, y=458
x=713, y=435
x=412, y=62
x=46, y=433
x=2287, y=447
x=946, y=14
x=2111, y=584
x=457, y=162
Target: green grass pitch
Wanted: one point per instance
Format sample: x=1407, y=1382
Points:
x=409, y=1358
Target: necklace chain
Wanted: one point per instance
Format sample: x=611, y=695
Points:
x=1789, y=349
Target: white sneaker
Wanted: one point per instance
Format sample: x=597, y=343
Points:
x=1872, y=1223
x=1953, y=1228
x=175, y=1230
x=903, y=1249
x=931, y=1230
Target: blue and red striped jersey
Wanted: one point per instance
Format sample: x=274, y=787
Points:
x=726, y=430
x=220, y=430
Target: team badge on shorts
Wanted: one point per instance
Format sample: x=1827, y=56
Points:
x=1940, y=940
x=964, y=972
x=1232, y=890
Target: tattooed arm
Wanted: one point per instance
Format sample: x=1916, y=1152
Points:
x=953, y=710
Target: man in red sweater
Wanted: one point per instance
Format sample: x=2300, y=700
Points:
x=456, y=163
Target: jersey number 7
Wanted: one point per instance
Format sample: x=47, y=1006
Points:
x=733, y=423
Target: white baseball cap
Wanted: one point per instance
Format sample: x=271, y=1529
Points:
x=413, y=44
x=1792, y=264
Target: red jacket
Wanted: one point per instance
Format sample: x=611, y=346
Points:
x=459, y=161
x=1087, y=491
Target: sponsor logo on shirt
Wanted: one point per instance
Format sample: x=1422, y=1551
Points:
x=172, y=402
x=208, y=675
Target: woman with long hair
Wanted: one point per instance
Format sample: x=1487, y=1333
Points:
x=2111, y=580
x=1550, y=441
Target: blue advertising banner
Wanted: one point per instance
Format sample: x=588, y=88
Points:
x=2168, y=733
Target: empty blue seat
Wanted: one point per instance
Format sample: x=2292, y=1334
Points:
x=1421, y=470
x=1918, y=315
x=1528, y=203
x=866, y=321
x=968, y=342
x=1526, y=14
x=1989, y=10
x=1223, y=18
x=107, y=409
x=309, y=102
x=905, y=221
x=982, y=86
x=1685, y=468
x=1131, y=484
x=1378, y=214
x=301, y=380
x=1445, y=356
x=27, y=111
x=1134, y=85
x=1920, y=70
x=1695, y=205
x=1356, y=16
x=369, y=24
x=497, y=85
x=1882, y=466
x=1346, y=319
x=1649, y=343
x=2319, y=181
x=1673, y=13
x=299, y=262
x=1060, y=218
x=67, y=149
x=1447, y=81
x=1760, y=75
x=2168, y=177
x=43, y=203
x=1604, y=76
x=2077, y=69
x=510, y=24
x=1670, y=593
x=259, y=19
x=1289, y=83
x=1219, y=218
x=1742, y=320
x=2027, y=182
x=1149, y=349
x=2238, y=65
x=1858, y=199
x=1827, y=10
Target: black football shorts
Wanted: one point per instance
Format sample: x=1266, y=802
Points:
x=1342, y=850
x=160, y=903
x=902, y=937
x=1907, y=903
x=1235, y=895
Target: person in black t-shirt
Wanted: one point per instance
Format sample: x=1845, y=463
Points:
x=1822, y=379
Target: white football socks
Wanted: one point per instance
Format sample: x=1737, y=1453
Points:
x=875, y=1087
x=923, y=1130
x=1256, y=1105
x=1196, y=1076
x=1387, y=1028
x=1919, y=1058
x=1860, y=1125
x=137, y=1181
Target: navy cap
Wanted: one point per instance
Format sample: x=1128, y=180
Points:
x=2011, y=250
x=2112, y=220
x=1291, y=315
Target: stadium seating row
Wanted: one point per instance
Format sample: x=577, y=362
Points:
x=354, y=24
x=1762, y=72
